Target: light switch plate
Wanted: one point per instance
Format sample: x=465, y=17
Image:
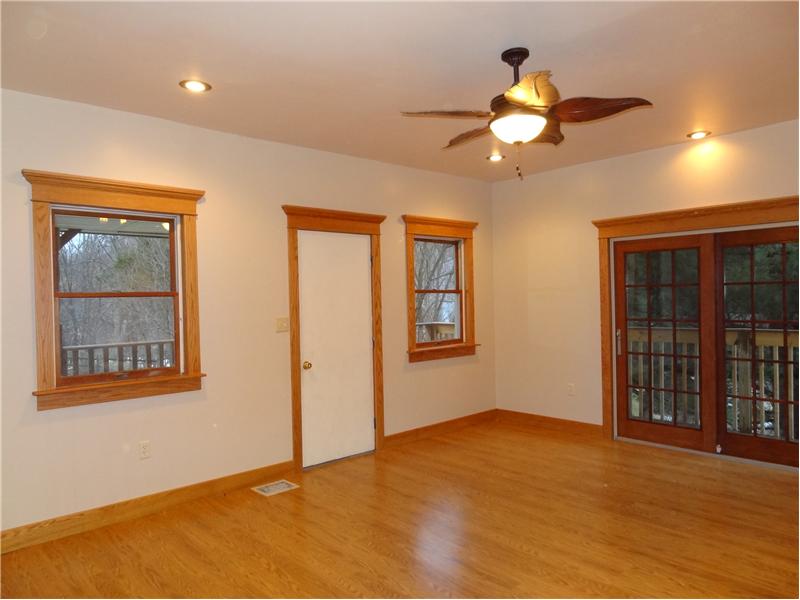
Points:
x=281, y=324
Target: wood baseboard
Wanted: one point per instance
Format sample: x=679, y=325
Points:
x=59, y=527
x=550, y=423
x=439, y=428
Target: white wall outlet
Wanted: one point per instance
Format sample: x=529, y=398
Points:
x=570, y=389
x=144, y=449
x=281, y=324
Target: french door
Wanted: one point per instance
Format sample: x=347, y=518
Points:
x=707, y=342
x=757, y=344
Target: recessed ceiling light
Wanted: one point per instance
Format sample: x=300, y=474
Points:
x=698, y=135
x=495, y=157
x=195, y=85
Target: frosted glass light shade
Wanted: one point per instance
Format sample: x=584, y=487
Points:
x=518, y=127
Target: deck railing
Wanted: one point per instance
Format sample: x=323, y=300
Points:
x=117, y=357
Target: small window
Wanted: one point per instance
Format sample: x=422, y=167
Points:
x=440, y=288
x=437, y=281
x=116, y=296
x=115, y=268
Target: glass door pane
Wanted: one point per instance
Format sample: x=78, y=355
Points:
x=759, y=331
x=658, y=288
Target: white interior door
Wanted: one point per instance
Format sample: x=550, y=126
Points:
x=336, y=339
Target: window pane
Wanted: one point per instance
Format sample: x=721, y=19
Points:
x=769, y=301
x=737, y=377
x=116, y=334
x=739, y=341
x=638, y=373
x=687, y=339
x=770, y=419
x=686, y=302
x=687, y=410
x=662, y=407
x=438, y=317
x=638, y=405
x=661, y=338
x=660, y=264
x=768, y=262
x=738, y=305
x=635, y=268
x=769, y=380
x=435, y=265
x=740, y=416
x=791, y=302
x=637, y=336
x=686, y=266
x=661, y=302
x=687, y=374
x=637, y=302
x=737, y=263
x=791, y=261
x=662, y=373
x=107, y=254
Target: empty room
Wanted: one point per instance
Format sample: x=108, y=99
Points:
x=399, y=299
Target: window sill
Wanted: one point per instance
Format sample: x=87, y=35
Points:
x=437, y=352
x=75, y=395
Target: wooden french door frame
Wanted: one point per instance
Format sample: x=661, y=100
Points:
x=752, y=213
x=703, y=438
x=334, y=221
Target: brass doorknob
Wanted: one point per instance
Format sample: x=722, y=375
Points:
x=307, y=365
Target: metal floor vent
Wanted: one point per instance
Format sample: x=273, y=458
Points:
x=276, y=487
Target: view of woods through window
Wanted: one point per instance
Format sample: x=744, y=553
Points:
x=437, y=285
x=116, y=294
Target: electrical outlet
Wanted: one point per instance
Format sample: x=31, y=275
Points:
x=281, y=324
x=144, y=449
x=570, y=389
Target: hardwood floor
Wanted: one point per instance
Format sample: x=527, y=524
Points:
x=496, y=509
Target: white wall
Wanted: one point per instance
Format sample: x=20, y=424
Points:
x=61, y=461
x=547, y=313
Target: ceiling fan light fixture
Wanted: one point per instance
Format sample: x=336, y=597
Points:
x=698, y=135
x=517, y=127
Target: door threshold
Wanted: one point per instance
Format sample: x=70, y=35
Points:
x=728, y=457
x=336, y=460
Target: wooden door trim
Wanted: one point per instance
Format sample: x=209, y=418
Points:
x=752, y=213
x=301, y=218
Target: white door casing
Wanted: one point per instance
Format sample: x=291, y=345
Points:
x=335, y=300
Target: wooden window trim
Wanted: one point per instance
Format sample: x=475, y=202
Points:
x=461, y=231
x=48, y=189
x=751, y=213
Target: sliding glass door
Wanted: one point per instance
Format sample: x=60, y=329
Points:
x=665, y=332
x=707, y=342
x=757, y=271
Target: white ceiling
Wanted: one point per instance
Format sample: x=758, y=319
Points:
x=335, y=76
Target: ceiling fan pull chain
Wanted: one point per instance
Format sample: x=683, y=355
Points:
x=519, y=171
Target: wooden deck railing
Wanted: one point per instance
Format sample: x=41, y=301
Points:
x=111, y=358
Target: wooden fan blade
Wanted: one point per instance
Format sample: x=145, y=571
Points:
x=534, y=91
x=467, y=136
x=551, y=134
x=452, y=114
x=578, y=110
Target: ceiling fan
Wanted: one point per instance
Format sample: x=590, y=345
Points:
x=531, y=110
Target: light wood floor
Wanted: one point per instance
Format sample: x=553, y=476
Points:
x=492, y=510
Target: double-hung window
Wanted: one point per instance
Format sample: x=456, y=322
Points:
x=115, y=270
x=441, y=312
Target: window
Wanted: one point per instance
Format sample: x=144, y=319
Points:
x=116, y=297
x=116, y=289
x=441, y=313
